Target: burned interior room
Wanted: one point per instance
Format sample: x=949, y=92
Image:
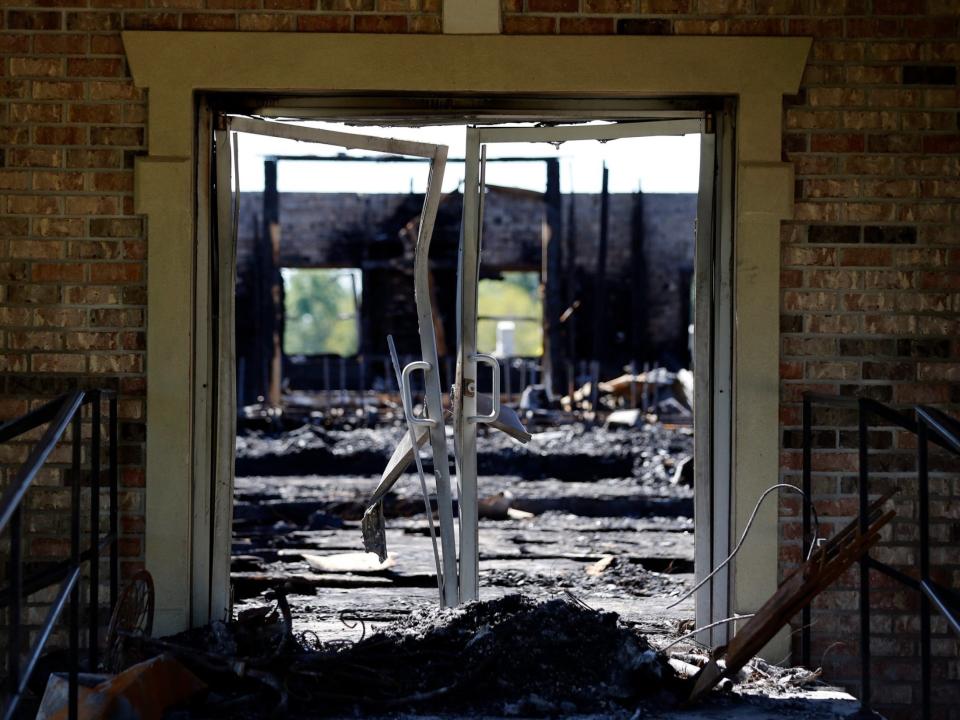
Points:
x=574, y=288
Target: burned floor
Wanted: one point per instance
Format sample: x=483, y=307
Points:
x=599, y=512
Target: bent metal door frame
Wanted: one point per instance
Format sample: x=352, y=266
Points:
x=175, y=66
x=213, y=500
x=712, y=355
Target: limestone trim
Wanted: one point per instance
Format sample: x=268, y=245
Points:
x=175, y=66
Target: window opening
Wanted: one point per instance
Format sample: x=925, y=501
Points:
x=510, y=320
x=322, y=311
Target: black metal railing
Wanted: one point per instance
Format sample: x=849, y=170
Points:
x=59, y=415
x=930, y=425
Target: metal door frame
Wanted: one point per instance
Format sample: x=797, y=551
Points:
x=713, y=318
x=713, y=424
x=214, y=422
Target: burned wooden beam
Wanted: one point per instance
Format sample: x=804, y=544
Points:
x=552, y=279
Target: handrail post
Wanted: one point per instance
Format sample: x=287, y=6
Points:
x=114, y=504
x=807, y=501
x=74, y=619
x=864, y=490
x=923, y=479
x=16, y=585
x=94, y=609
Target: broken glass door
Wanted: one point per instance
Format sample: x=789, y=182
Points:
x=225, y=248
x=467, y=411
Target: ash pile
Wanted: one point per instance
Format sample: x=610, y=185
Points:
x=513, y=656
x=510, y=657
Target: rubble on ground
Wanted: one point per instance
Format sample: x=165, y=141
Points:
x=574, y=452
x=509, y=657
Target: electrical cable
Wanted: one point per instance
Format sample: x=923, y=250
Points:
x=743, y=537
x=706, y=627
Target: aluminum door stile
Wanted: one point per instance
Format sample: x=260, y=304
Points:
x=437, y=155
x=225, y=408
x=433, y=391
x=722, y=390
x=465, y=397
x=204, y=470
x=703, y=401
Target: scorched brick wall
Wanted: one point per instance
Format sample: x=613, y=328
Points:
x=871, y=262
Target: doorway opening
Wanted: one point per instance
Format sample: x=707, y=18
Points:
x=607, y=311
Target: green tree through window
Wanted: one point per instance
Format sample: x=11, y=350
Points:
x=321, y=309
x=516, y=298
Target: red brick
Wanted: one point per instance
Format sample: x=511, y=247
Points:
x=115, y=273
x=279, y=22
x=57, y=227
x=113, y=181
x=177, y=4
x=529, y=25
x=106, y=45
x=171, y=21
x=56, y=90
x=117, y=135
x=837, y=142
x=60, y=135
x=15, y=43
x=33, y=204
x=608, y=6
x=34, y=20
x=380, y=23
x=664, y=7
x=587, y=26
x=36, y=112
x=552, y=6
x=895, y=7
x=208, y=21
x=325, y=23
x=60, y=44
x=232, y=4
x=424, y=24
x=96, y=21
x=36, y=67
x=52, y=272
x=95, y=113
x=58, y=363
x=95, y=67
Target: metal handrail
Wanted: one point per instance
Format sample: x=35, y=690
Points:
x=931, y=425
x=58, y=415
x=946, y=429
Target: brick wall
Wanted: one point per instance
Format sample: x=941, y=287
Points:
x=72, y=252
x=871, y=262
x=870, y=279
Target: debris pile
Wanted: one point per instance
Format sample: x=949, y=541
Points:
x=512, y=656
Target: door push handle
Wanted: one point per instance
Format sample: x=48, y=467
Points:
x=408, y=397
x=494, y=388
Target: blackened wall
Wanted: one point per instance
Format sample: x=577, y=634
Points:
x=648, y=269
